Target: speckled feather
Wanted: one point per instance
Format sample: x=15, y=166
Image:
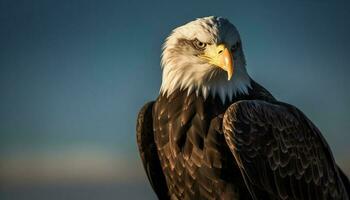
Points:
x=280, y=151
x=263, y=150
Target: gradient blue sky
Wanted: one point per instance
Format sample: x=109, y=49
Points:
x=73, y=75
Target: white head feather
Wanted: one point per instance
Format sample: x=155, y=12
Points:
x=185, y=71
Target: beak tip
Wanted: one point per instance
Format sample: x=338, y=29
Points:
x=229, y=74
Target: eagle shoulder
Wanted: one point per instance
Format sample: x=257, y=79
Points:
x=148, y=151
x=279, y=151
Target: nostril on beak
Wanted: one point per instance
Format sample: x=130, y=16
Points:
x=220, y=51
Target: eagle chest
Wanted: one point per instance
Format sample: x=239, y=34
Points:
x=191, y=147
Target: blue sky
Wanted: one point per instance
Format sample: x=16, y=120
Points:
x=73, y=75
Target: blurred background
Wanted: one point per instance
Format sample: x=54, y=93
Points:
x=74, y=74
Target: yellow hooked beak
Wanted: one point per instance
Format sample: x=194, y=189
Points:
x=220, y=56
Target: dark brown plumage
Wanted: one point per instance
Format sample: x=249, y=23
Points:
x=252, y=147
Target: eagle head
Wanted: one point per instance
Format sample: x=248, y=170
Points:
x=205, y=56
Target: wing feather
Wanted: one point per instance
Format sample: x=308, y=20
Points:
x=148, y=151
x=279, y=151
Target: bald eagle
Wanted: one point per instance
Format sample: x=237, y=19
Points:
x=215, y=133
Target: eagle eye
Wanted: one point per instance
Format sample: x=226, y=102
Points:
x=198, y=44
x=236, y=46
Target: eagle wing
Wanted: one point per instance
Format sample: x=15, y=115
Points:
x=279, y=151
x=148, y=151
